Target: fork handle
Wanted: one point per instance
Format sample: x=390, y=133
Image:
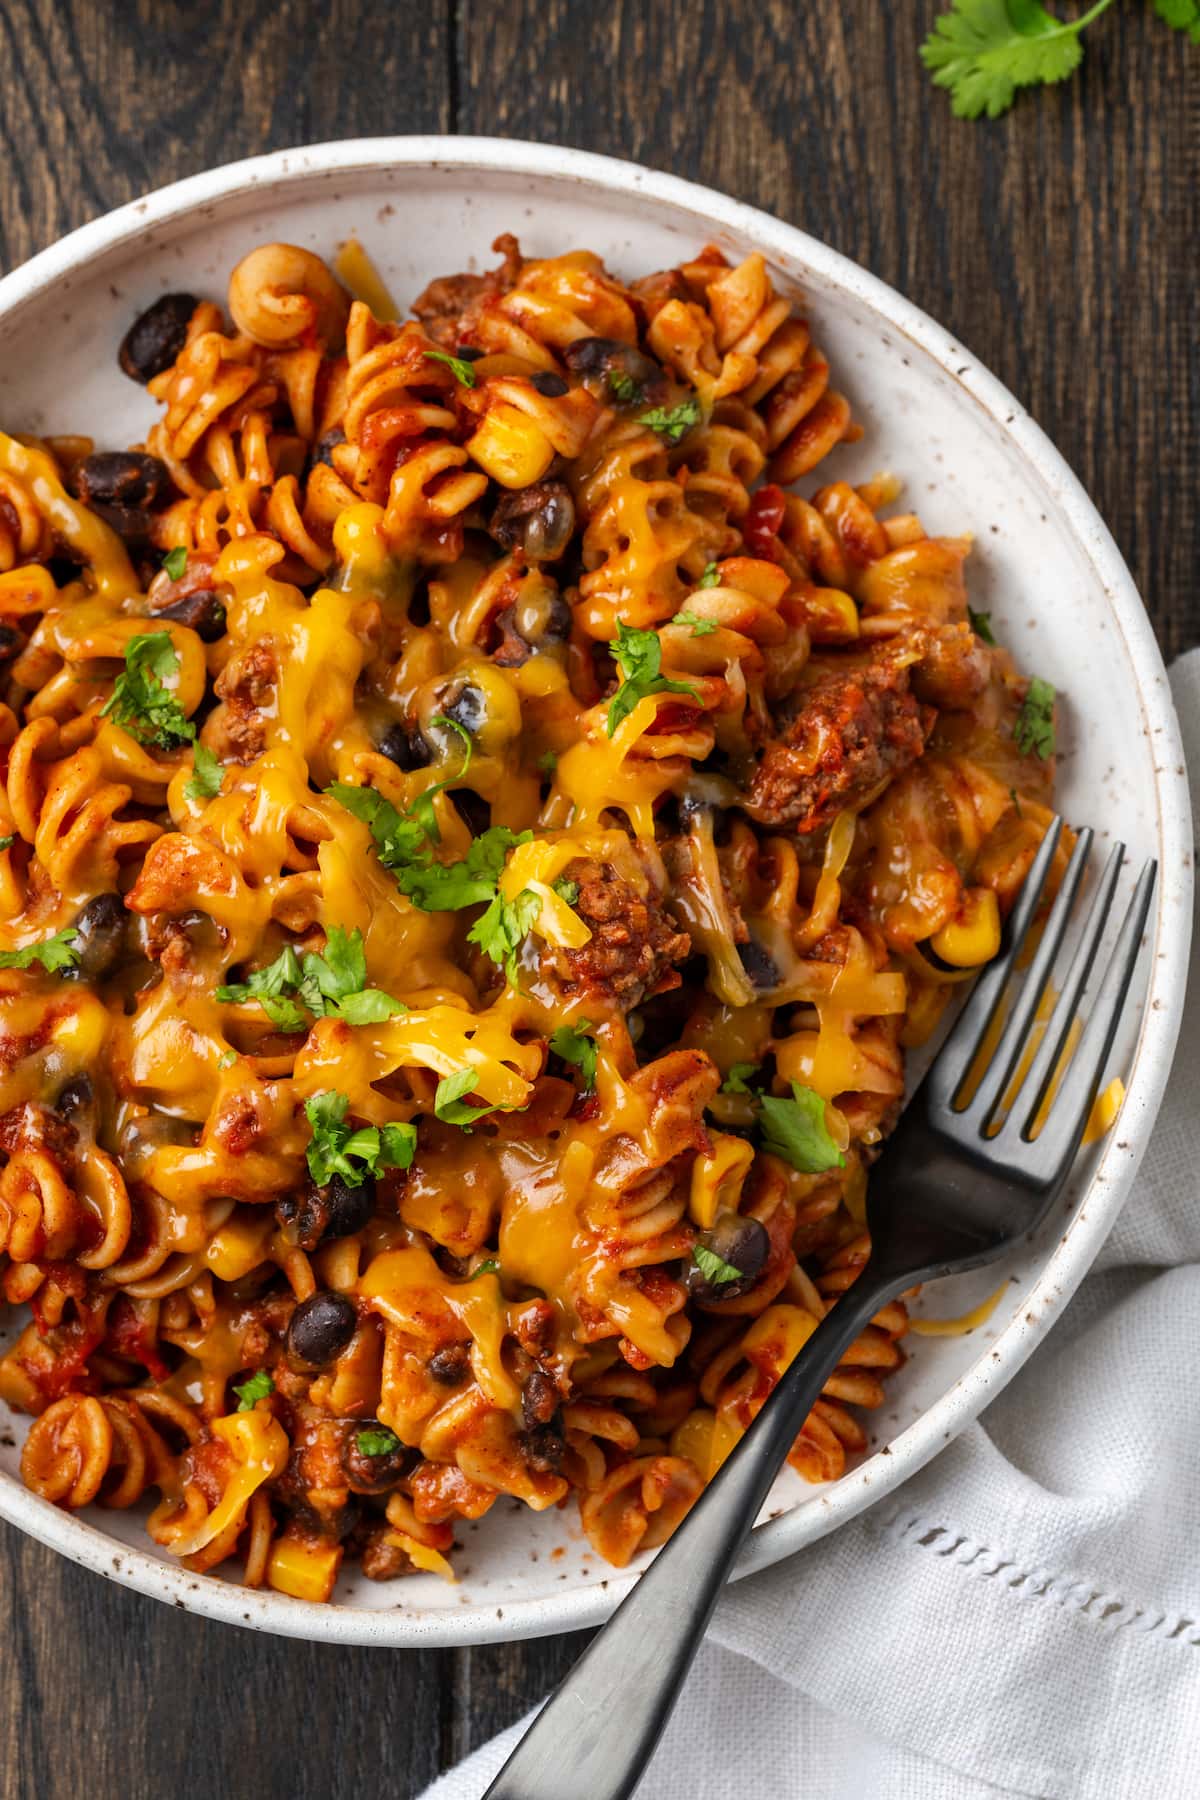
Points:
x=598, y=1732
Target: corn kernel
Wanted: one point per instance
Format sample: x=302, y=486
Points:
x=240, y=1245
x=705, y=1438
x=717, y=1178
x=510, y=448
x=305, y=1571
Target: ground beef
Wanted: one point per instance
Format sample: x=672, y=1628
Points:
x=953, y=669
x=246, y=682
x=847, y=734
x=443, y=303
x=383, y=1560
x=634, y=946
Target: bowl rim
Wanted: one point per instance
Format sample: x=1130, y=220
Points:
x=1113, y=1177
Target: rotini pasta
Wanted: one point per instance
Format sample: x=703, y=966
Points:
x=474, y=850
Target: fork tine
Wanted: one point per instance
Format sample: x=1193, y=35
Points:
x=1041, y=1069
x=1059, y=1137
x=962, y=1045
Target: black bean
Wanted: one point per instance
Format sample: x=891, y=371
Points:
x=10, y=642
x=322, y=450
x=741, y=1243
x=319, y=1330
x=75, y=1097
x=132, y=524
x=550, y=385
x=474, y=811
x=202, y=611
x=467, y=707
x=599, y=359
x=349, y=1207
x=156, y=337
x=539, y=519
x=468, y=353
x=543, y=1449
x=407, y=749
x=310, y=1214
x=375, y=1474
x=120, y=478
x=101, y=929
x=450, y=1365
x=759, y=964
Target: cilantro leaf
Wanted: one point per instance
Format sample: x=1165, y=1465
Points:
x=489, y=1266
x=255, y=1387
x=575, y=1045
x=624, y=388
x=981, y=624
x=448, y=1102
x=984, y=50
x=738, y=1079
x=795, y=1130
x=227, y=1061
x=1034, y=729
x=464, y=372
x=54, y=953
x=1183, y=15
x=713, y=1267
x=207, y=774
x=285, y=972
x=447, y=887
x=6, y=843
x=377, y=1440
x=567, y=891
x=370, y=1006
x=175, y=562
x=674, y=422
x=332, y=982
x=711, y=576
x=283, y=1013
x=140, y=703
x=700, y=627
x=502, y=929
x=336, y=1149
x=547, y=762
x=638, y=655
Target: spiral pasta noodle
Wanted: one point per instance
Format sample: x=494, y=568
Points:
x=474, y=851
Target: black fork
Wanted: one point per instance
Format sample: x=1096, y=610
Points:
x=960, y=1181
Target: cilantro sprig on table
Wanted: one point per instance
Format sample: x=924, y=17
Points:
x=328, y=983
x=984, y=50
x=638, y=655
x=140, y=702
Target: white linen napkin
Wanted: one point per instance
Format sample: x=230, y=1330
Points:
x=1021, y=1616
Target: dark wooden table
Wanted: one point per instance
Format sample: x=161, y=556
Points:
x=1059, y=243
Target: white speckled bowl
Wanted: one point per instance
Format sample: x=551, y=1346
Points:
x=972, y=460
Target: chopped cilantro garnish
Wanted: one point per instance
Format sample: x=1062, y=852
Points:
x=1016, y=800
x=502, y=929
x=576, y=1046
x=255, y=1387
x=638, y=655
x=699, y=627
x=1034, y=729
x=332, y=982
x=207, y=774
x=6, y=843
x=624, y=388
x=175, y=562
x=567, y=891
x=463, y=370
x=336, y=1148
x=674, y=422
x=448, y=1102
x=713, y=1267
x=795, y=1130
x=227, y=1061
x=490, y=1266
x=981, y=624
x=738, y=1079
x=140, y=702
x=547, y=762
x=377, y=1440
x=711, y=576
x=54, y=953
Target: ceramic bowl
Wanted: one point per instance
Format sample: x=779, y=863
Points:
x=972, y=460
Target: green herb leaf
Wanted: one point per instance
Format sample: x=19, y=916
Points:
x=713, y=1267
x=490, y=1266
x=377, y=1440
x=624, y=388
x=738, y=1079
x=576, y=1046
x=227, y=1061
x=256, y=1387
x=711, y=576
x=464, y=371
x=1016, y=800
x=1183, y=15
x=547, y=762
x=502, y=929
x=447, y=887
x=448, y=1103
x=1034, y=729
x=140, y=703
x=700, y=627
x=981, y=624
x=175, y=562
x=336, y=1149
x=328, y=982
x=638, y=655
x=674, y=422
x=566, y=890
x=370, y=1006
x=283, y=1013
x=207, y=774
x=795, y=1130
x=54, y=953
x=6, y=843
x=984, y=50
